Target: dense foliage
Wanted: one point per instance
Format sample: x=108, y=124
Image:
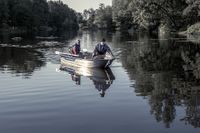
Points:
x=100, y=18
x=61, y=17
x=151, y=14
x=37, y=15
x=192, y=11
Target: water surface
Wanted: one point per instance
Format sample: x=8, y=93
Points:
x=153, y=85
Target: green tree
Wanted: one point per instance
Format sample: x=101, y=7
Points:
x=22, y=16
x=103, y=17
x=148, y=14
x=122, y=16
x=37, y=16
x=40, y=11
x=89, y=18
x=192, y=11
x=12, y=10
x=61, y=17
x=3, y=12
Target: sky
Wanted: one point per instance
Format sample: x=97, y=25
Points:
x=80, y=5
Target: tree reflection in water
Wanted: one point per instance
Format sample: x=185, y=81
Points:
x=102, y=78
x=167, y=73
x=20, y=61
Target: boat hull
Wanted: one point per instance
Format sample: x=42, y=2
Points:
x=73, y=60
x=98, y=74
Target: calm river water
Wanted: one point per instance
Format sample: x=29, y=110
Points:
x=152, y=86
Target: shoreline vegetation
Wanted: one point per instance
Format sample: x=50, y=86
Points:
x=192, y=30
x=50, y=19
x=36, y=17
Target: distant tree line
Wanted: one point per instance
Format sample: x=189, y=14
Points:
x=37, y=15
x=150, y=15
x=54, y=16
x=100, y=18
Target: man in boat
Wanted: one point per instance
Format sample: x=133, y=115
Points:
x=101, y=49
x=75, y=49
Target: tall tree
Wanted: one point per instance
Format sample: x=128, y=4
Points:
x=22, y=15
x=41, y=11
x=122, y=16
x=103, y=17
x=3, y=12
x=62, y=17
x=88, y=18
x=192, y=11
x=148, y=14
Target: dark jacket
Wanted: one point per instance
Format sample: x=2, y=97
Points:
x=101, y=49
x=77, y=48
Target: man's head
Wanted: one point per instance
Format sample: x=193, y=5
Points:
x=79, y=41
x=103, y=40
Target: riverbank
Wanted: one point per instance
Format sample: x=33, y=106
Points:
x=192, y=33
x=192, y=30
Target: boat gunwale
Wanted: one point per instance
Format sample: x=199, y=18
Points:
x=79, y=58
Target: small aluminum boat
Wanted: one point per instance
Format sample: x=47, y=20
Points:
x=85, y=60
x=97, y=74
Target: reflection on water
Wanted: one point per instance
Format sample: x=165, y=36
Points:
x=20, y=61
x=102, y=78
x=6, y=37
x=167, y=74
